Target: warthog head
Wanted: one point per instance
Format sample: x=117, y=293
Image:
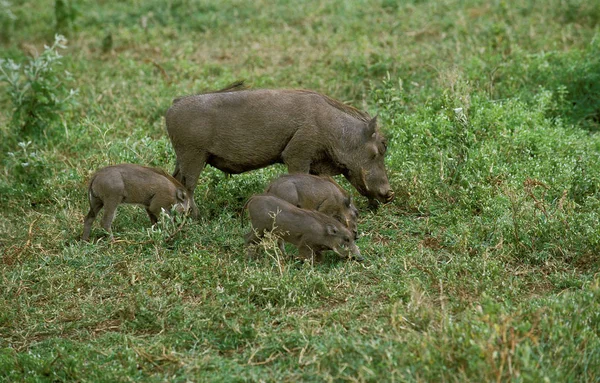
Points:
x=343, y=242
x=183, y=204
x=366, y=168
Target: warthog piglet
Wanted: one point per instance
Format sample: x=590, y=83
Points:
x=310, y=231
x=134, y=184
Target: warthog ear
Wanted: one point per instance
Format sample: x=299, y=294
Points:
x=180, y=195
x=371, y=127
x=348, y=201
x=331, y=230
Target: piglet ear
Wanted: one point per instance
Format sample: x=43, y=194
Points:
x=180, y=195
x=348, y=201
x=331, y=230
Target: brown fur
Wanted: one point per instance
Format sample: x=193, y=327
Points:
x=348, y=109
x=135, y=184
x=243, y=130
x=310, y=231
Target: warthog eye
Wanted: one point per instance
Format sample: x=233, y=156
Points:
x=381, y=149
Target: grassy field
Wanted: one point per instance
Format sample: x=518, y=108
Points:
x=484, y=268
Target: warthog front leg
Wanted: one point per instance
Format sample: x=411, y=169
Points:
x=250, y=241
x=187, y=170
x=298, y=154
x=307, y=254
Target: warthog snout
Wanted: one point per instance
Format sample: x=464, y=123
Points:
x=349, y=250
x=385, y=195
x=355, y=253
x=181, y=208
x=389, y=196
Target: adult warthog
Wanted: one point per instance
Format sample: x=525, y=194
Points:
x=237, y=130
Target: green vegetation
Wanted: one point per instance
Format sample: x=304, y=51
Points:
x=484, y=268
x=37, y=90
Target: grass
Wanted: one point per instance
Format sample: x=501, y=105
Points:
x=484, y=268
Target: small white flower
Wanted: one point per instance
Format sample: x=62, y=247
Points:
x=12, y=65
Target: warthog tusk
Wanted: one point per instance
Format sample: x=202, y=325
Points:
x=363, y=176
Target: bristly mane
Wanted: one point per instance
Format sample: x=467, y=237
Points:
x=322, y=176
x=163, y=173
x=348, y=109
x=233, y=87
